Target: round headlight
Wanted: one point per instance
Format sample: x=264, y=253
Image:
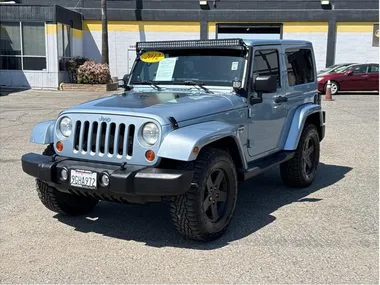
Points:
x=65, y=126
x=150, y=133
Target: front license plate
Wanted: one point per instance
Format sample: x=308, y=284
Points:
x=83, y=179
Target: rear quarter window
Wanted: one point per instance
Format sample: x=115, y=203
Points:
x=300, y=66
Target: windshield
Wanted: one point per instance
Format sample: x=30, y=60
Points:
x=209, y=66
x=342, y=69
x=329, y=68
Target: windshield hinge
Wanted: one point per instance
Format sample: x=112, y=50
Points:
x=174, y=123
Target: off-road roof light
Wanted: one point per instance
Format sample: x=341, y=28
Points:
x=219, y=43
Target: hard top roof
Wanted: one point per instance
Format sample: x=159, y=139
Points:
x=259, y=42
x=215, y=43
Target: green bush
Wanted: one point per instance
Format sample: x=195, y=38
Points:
x=93, y=73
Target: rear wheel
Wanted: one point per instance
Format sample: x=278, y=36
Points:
x=60, y=202
x=205, y=211
x=300, y=171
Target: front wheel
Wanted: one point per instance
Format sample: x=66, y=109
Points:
x=205, y=211
x=60, y=202
x=300, y=171
x=334, y=88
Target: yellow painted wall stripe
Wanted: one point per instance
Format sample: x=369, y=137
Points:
x=305, y=27
x=352, y=27
x=51, y=29
x=77, y=33
x=146, y=26
x=288, y=27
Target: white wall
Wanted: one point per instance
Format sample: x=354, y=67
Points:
x=29, y=79
x=355, y=47
x=123, y=35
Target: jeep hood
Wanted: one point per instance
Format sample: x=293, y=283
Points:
x=161, y=105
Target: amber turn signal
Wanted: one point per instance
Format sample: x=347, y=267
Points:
x=196, y=150
x=59, y=145
x=149, y=155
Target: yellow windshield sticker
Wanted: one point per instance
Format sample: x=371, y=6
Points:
x=152, y=56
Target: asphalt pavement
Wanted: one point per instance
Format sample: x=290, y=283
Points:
x=327, y=233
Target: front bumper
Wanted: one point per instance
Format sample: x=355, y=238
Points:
x=124, y=181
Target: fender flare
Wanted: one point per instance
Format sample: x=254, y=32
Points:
x=179, y=144
x=298, y=122
x=43, y=132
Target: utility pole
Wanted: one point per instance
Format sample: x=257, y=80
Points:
x=104, y=32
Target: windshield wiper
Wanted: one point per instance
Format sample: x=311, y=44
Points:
x=151, y=83
x=199, y=84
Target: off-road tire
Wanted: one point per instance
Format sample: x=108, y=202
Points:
x=187, y=212
x=292, y=171
x=60, y=202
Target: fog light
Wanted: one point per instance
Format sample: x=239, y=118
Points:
x=64, y=174
x=105, y=180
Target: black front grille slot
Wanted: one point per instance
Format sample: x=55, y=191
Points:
x=120, y=146
x=111, y=138
x=131, y=135
x=85, y=135
x=93, y=136
x=76, y=135
x=103, y=129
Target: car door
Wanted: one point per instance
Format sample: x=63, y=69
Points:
x=373, y=80
x=266, y=119
x=358, y=79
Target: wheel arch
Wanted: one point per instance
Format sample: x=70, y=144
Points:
x=179, y=144
x=43, y=132
x=305, y=114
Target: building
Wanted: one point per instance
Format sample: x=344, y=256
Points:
x=37, y=39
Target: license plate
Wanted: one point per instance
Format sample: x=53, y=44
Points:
x=83, y=179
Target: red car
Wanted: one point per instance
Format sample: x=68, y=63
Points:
x=358, y=77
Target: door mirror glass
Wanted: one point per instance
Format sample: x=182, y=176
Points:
x=265, y=84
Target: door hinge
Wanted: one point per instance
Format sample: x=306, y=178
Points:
x=248, y=143
x=250, y=113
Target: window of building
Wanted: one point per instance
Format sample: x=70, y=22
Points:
x=64, y=45
x=22, y=46
x=266, y=63
x=300, y=66
x=249, y=31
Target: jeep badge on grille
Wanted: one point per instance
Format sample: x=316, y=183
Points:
x=104, y=119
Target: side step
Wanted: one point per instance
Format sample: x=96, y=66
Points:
x=259, y=166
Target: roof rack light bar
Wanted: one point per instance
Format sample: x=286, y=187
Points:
x=190, y=44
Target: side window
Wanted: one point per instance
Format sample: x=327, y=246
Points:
x=360, y=69
x=300, y=66
x=266, y=63
x=374, y=68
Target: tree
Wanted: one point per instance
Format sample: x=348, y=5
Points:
x=104, y=32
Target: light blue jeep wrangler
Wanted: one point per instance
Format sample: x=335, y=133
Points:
x=196, y=118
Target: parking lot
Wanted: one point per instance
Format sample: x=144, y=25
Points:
x=327, y=233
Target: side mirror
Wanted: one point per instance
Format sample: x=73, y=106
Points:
x=265, y=84
x=124, y=82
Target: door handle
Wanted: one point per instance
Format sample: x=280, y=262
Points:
x=280, y=99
